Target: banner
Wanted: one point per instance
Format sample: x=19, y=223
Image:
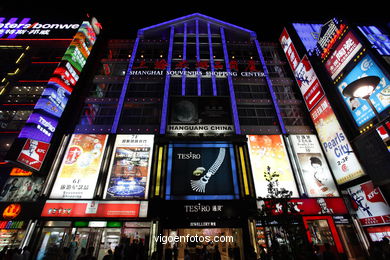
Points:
x=371, y=206
x=289, y=50
x=130, y=166
x=18, y=189
x=359, y=108
x=33, y=153
x=80, y=167
x=338, y=150
x=317, y=178
x=271, y=168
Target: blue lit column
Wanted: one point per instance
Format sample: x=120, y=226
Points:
x=164, y=111
x=183, y=78
x=231, y=86
x=211, y=60
x=199, y=77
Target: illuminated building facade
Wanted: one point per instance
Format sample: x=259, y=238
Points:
x=195, y=127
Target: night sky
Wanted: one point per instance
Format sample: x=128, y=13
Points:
x=122, y=19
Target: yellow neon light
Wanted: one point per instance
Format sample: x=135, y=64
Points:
x=244, y=173
x=15, y=72
x=159, y=168
x=20, y=58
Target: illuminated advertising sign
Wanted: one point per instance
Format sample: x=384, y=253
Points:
x=201, y=171
x=308, y=83
x=380, y=41
x=39, y=127
x=19, y=172
x=22, y=189
x=371, y=206
x=271, y=168
x=329, y=35
x=33, y=153
x=80, y=167
x=338, y=150
x=343, y=54
x=308, y=33
x=320, y=206
x=95, y=209
x=129, y=173
x=359, y=108
x=317, y=178
x=289, y=49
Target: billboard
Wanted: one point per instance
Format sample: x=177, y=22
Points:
x=343, y=53
x=338, y=150
x=19, y=189
x=201, y=171
x=317, y=178
x=359, y=108
x=308, y=33
x=270, y=165
x=33, y=153
x=130, y=167
x=79, y=171
x=289, y=49
x=379, y=40
x=371, y=207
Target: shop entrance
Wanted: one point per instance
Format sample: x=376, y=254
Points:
x=197, y=242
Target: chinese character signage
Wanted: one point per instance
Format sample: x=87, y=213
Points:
x=317, y=178
x=308, y=83
x=201, y=171
x=289, y=49
x=271, y=168
x=130, y=167
x=359, y=108
x=80, y=167
x=33, y=153
x=338, y=150
x=343, y=54
x=371, y=207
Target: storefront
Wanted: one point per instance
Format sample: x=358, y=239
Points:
x=69, y=227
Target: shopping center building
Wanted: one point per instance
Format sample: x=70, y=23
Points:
x=193, y=129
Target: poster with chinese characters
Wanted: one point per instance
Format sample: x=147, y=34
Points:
x=316, y=176
x=80, y=167
x=342, y=160
x=33, y=153
x=130, y=166
x=271, y=168
x=371, y=207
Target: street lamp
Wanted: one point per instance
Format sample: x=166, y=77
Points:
x=363, y=88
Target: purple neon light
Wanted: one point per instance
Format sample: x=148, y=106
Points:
x=164, y=112
x=271, y=89
x=199, y=77
x=230, y=82
x=211, y=60
x=10, y=21
x=124, y=88
x=24, y=21
x=183, y=78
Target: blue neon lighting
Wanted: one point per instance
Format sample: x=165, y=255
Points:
x=199, y=77
x=211, y=60
x=183, y=78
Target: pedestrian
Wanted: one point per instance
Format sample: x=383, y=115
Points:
x=89, y=255
x=82, y=254
x=328, y=254
x=109, y=255
x=217, y=254
x=187, y=254
x=3, y=252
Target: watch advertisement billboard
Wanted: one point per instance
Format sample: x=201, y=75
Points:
x=19, y=189
x=271, y=167
x=371, y=207
x=342, y=160
x=33, y=153
x=201, y=171
x=359, y=108
x=317, y=178
x=130, y=166
x=308, y=83
x=289, y=49
x=343, y=53
x=80, y=167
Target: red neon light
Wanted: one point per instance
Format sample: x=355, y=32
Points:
x=52, y=39
x=45, y=62
x=17, y=104
x=33, y=80
x=333, y=41
x=332, y=227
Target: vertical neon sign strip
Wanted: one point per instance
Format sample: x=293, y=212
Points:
x=164, y=112
x=211, y=60
x=199, y=77
x=231, y=86
x=124, y=89
x=271, y=89
x=183, y=78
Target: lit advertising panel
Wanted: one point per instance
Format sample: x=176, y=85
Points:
x=371, y=207
x=19, y=189
x=95, y=209
x=39, y=127
x=359, y=108
x=33, y=153
x=317, y=178
x=380, y=41
x=201, y=171
x=129, y=172
x=308, y=33
x=80, y=167
x=269, y=158
x=289, y=49
x=308, y=83
x=343, y=53
x=338, y=150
